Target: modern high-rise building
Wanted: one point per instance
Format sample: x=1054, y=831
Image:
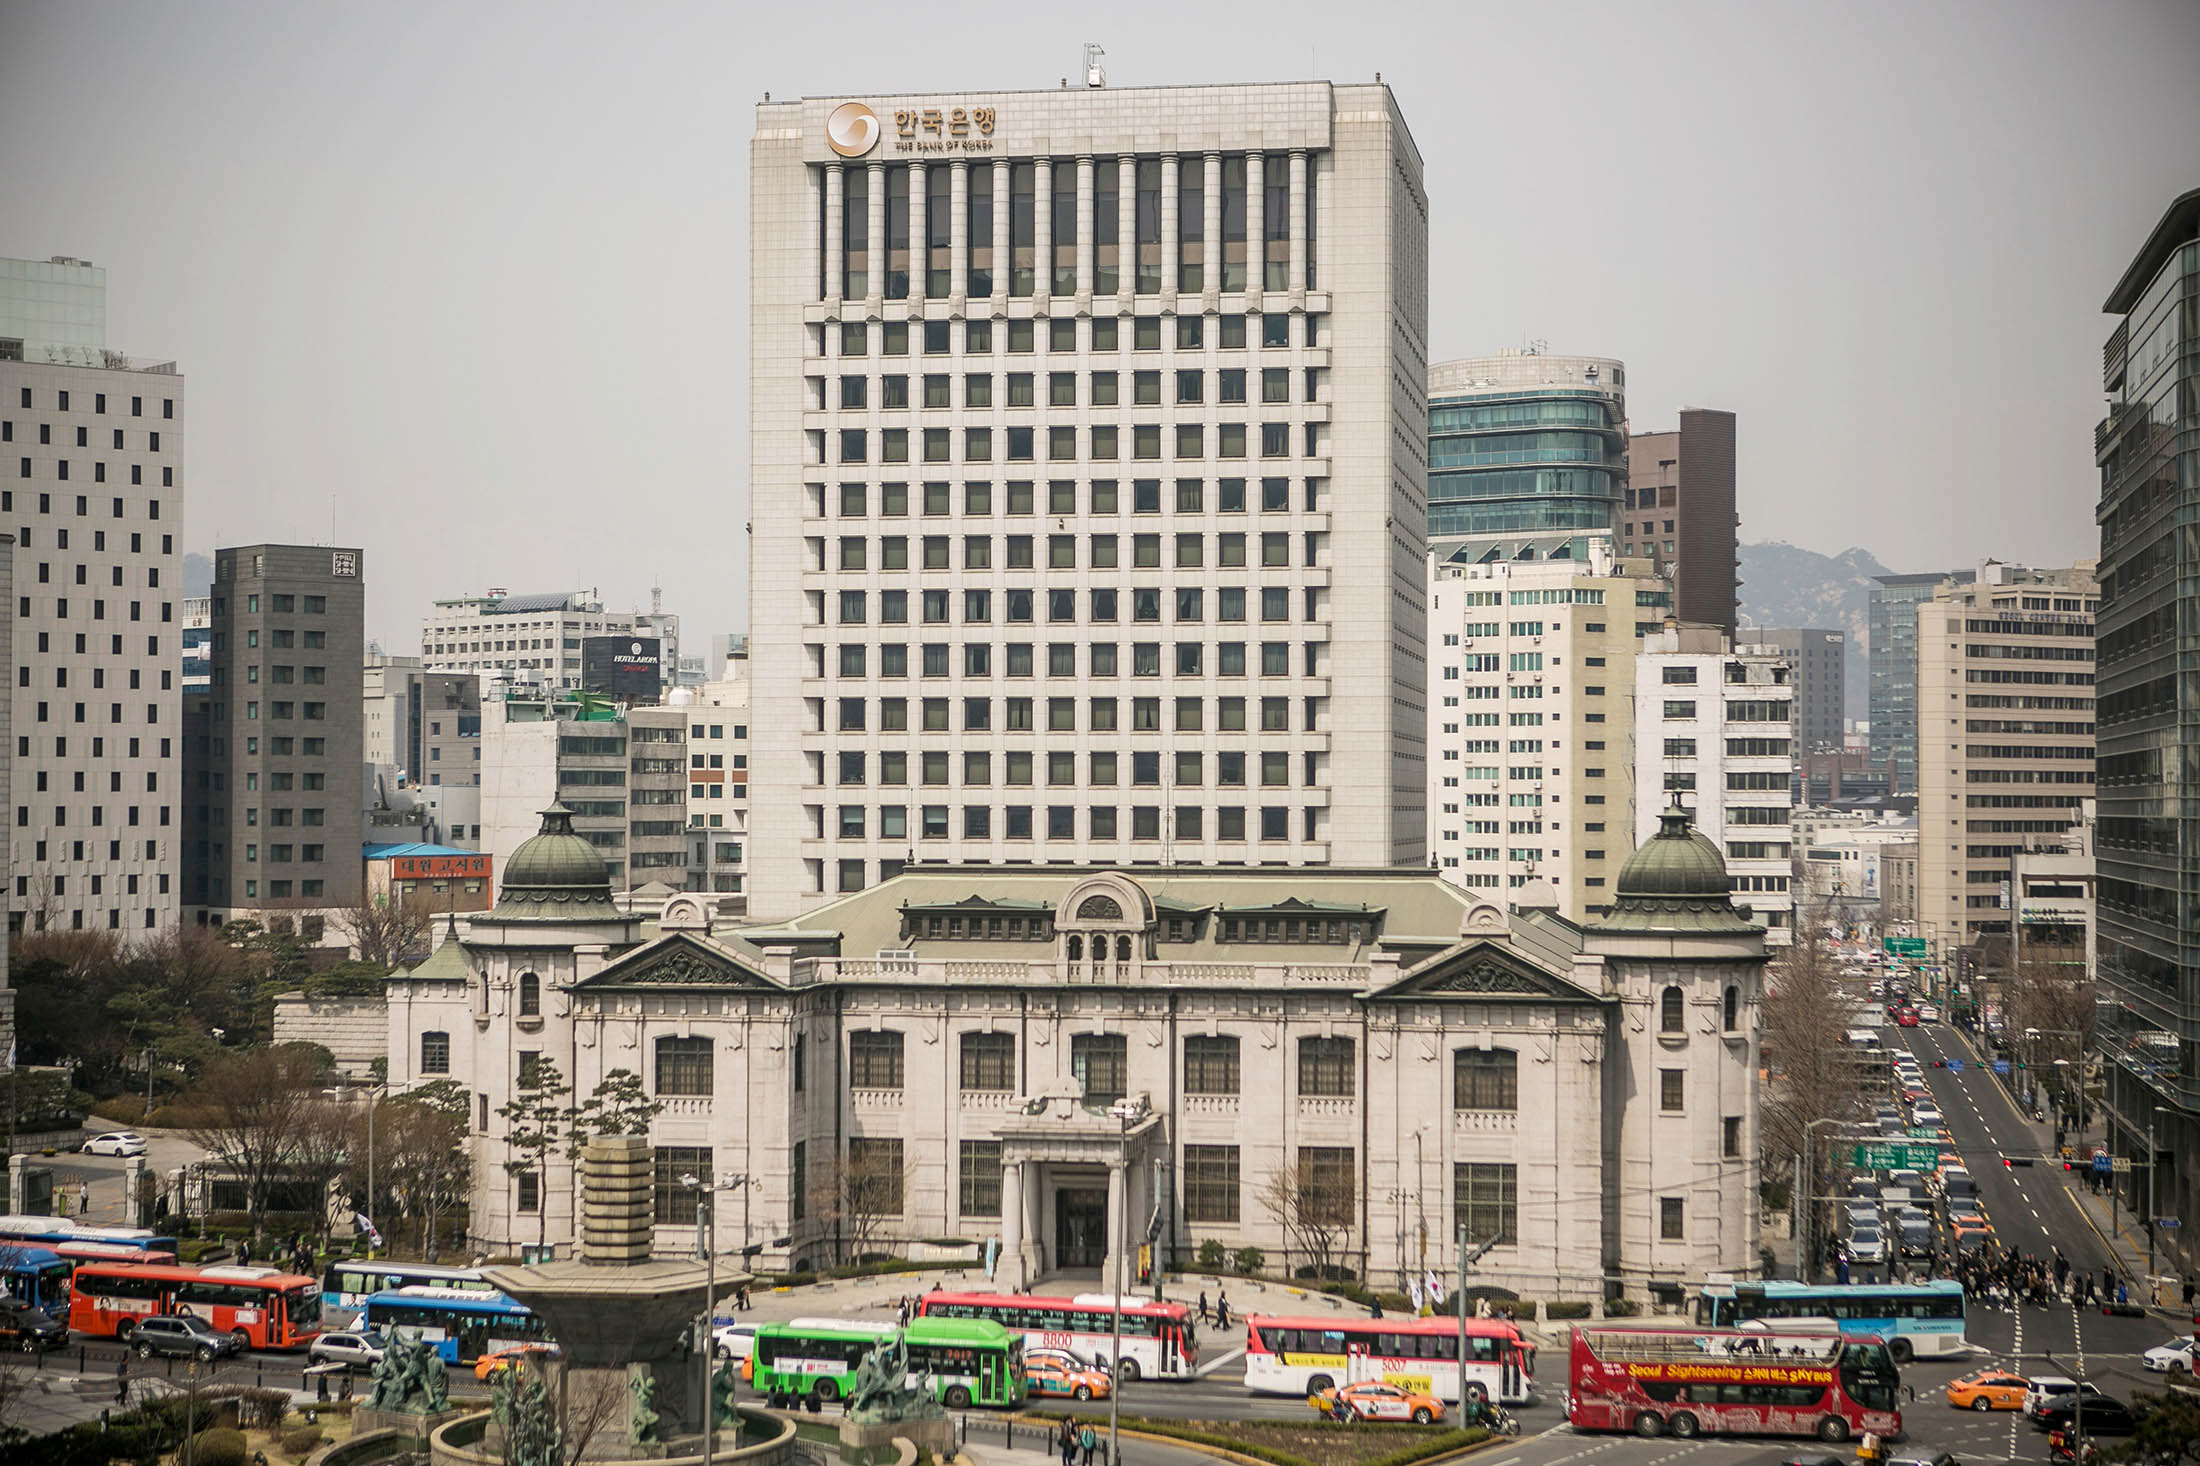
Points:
x=1714, y=733
x=2005, y=720
x=197, y=628
x=1531, y=721
x=2148, y=841
x=621, y=774
x=1678, y=511
x=535, y=641
x=7, y=771
x=1527, y=455
x=91, y=453
x=1817, y=662
x=274, y=779
x=1892, y=621
x=1086, y=480
x=425, y=724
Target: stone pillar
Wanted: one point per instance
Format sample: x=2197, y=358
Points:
x=1170, y=183
x=920, y=257
x=1042, y=232
x=1210, y=234
x=1298, y=220
x=875, y=270
x=1010, y=1274
x=18, y=1174
x=1126, y=232
x=958, y=236
x=1085, y=232
x=1035, y=1252
x=133, y=1180
x=1256, y=228
x=1002, y=264
x=835, y=200
x=1118, y=1202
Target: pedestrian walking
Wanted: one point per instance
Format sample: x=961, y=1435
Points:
x=122, y=1380
x=1087, y=1440
x=83, y=1197
x=1222, y=1310
x=1065, y=1441
x=1205, y=1315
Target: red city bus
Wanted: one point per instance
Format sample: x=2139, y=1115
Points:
x=1732, y=1382
x=268, y=1309
x=1159, y=1340
x=79, y=1253
x=1305, y=1356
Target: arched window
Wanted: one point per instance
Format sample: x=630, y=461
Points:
x=530, y=995
x=1076, y=947
x=1123, y=948
x=1670, y=1016
x=1732, y=1012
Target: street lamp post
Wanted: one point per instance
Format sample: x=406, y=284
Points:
x=1806, y=1249
x=1469, y=1254
x=1127, y=1113
x=706, y=1240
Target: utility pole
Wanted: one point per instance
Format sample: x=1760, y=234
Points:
x=1468, y=1257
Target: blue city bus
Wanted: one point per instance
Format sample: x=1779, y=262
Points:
x=105, y=1243
x=462, y=1325
x=349, y=1282
x=38, y=1276
x=1914, y=1318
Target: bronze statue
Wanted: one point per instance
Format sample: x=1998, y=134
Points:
x=882, y=1393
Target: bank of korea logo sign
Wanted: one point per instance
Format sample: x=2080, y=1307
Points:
x=852, y=129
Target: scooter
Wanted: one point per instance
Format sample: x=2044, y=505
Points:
x=2063, y=1446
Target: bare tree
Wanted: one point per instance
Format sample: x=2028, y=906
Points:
x=320, y=1152
x=589, y=1404
x=1315, y=1213
x=1814, y=1073
x=18, y=1383
x=2049, y=1009
x=862, y=1195
x=422, y=1160
x=252, y=1112
x=385, y=931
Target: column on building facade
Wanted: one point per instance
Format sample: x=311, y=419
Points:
x=1171, y=181
x=1042, y=230
x=875, y=206
x=1126, y=231
x=1003, y=264
x=835, y=198
x=1256, y=227
x=1210, y=231
x=1298, y=219
x=1118, y=1200
x=920, y=257
x=1084, y=228
x=958, y=235
x=1011, y=1272
x=133, y=1185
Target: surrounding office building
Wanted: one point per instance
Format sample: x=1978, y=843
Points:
x=2149, y=835
x=273, y=748
x=535, y=642
x=7, y=772
x=1135, y=381
x=2004, y=737
x=425, y=724
x=198, y=626
x=1892, y=618
x=959, y=1029
x=92, y=443
x=718, y=783
x=2051, y=905
x=1714, y=734
x=1898, y=885
x=620, y=773
x=1816, y=660
x=1678, y=511
x=1527, y=455
x=1531, y=721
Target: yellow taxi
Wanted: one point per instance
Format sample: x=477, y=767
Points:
x=1987, y=1389
x=489, y=1366
x=1377, y=1400
x=1052, y=1377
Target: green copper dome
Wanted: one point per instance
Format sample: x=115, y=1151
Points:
x=1676, y=881
x=555, y=875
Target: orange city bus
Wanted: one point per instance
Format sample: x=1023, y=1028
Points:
x=266, y=1308
x=1687, y=1382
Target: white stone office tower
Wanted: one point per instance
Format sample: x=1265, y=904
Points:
x=1087, y=490
x=1714, y=733
x=91, y=484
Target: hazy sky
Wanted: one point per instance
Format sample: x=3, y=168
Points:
x=463, y=283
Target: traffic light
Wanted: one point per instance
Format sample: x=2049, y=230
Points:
x=2011, y=1162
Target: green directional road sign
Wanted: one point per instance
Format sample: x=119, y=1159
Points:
x=1909, y=949
x=1895, y=1156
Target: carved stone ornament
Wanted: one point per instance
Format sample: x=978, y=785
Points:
x=1489, y=976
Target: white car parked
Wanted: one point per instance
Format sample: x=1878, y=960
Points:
x=733, y=1340
x=116, y=1142
x=2171, y=1357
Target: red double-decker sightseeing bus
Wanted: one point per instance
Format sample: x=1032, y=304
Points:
x=1731, y=1382
x=266, y=1308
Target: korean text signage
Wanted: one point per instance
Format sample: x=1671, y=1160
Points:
x=1732, y=1374
x=623, y=667
x=853, y=129
x=438, y=867
x=1910, y=949
x=1898, y=1157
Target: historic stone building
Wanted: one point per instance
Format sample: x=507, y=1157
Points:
x=1340, y=1068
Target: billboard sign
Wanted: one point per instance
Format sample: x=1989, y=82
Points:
x=628, y=668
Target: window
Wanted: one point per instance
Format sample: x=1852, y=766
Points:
x=1326, y=1067
x=1100, y=1062
x=1669, y=1219
x=1485, y=1201
x=1211, y=1183
x=988, y=1062
x=530, y=995
x=874, y=1059
x=978, y=1178
x=1485, y=1079
x=678, y=1204
x=1731, y=1009
x=1328, y=1186
x=1671, y=1016
x=683, y=1066
x=1730, y=1136
x=875, y=1179
x=1672, y=1090
x=529, y=1189
x=1211, y=1067
x=435, y=1053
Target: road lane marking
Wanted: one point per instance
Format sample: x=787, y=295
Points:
x=1206, y=1369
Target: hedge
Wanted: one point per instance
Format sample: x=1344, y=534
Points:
x=219, y=1447
x=1445, y=1444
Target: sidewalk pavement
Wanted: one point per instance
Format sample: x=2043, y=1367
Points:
x=54, y=1400
x=1136, y=1452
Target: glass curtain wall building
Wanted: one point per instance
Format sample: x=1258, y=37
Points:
x=2148, y=912
x=1527, y=455
x=1893, y=622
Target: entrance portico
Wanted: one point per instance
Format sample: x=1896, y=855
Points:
x=1072, y=1179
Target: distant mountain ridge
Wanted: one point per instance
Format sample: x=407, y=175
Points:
x=1783, y=586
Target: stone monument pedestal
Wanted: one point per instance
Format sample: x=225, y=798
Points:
x=413, y=1423
x=936, y=1435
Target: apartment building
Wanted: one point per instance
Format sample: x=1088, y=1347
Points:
x=425, y=724
x=1678, y=511
x=1099, y=415
x=273, y=747
x=1531, y=721
x=621, y=774
x=718, y=782
x=2005, y=735
x=1714, y=734
x=92, y=488
x=534, y=642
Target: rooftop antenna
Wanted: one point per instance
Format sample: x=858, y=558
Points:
x=1096, y=75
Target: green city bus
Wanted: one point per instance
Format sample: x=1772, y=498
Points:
x=969, y=1361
